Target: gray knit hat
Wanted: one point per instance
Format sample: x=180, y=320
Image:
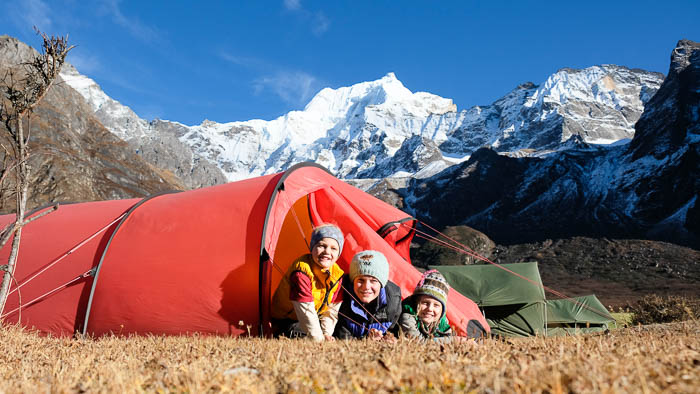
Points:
x=327, y=231
x=372, y=263
x=433, y=284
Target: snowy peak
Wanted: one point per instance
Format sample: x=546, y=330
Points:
x=87, y=88
x=118, y=118
x=606, y=84
x=600, y=104
x=386, y=92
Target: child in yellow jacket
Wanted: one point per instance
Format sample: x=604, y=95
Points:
x=307, y=301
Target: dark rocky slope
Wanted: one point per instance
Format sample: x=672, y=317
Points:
x=647, y=189
x=618, y=271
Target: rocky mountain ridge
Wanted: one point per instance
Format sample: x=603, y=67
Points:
x=74, y=157
x=380, y=129
x=645, y=189
x=387, y=139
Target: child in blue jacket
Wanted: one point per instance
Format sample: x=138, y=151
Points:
x=371, y=302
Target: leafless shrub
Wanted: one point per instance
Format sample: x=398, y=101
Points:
x=656, y=309
x=22, y=90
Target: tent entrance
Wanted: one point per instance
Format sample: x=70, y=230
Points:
x=291, y=243
x=516, y=320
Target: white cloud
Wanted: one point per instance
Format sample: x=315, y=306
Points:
x=293, y=87
x=84, y=64
x=30, y=13
x=292, y=4
x=318, y=21
x=321, y=23
x=135, y=27
x=241, y=60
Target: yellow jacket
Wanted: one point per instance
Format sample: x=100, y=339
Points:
x=325, y=284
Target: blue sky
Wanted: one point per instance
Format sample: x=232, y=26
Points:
x=238, y=60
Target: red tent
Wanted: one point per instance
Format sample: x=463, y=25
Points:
x=205, y=260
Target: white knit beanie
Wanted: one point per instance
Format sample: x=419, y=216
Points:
x=372, y=263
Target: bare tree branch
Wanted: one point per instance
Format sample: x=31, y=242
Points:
x=19, y=98
x=33, y=218
x=6, y=233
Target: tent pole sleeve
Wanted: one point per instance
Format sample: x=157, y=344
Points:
x=280, y=186
x=104, y=253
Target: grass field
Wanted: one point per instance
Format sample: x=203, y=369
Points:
x=656, y=358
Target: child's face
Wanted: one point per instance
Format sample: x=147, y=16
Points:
x=326, y=252
x=429, y=309
x=366, y=288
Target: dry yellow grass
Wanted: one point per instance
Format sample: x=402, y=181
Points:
x=661, y=358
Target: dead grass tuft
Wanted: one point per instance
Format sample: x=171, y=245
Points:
x=656, y=309
x=637, y=359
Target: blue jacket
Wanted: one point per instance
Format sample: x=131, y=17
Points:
x=355, y=322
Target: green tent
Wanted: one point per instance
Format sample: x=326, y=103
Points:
x=513, y=306
x=586, y=314
x=512, y=299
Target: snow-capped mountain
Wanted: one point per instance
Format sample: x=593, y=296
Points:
x=158, y=142
x=648, y=188
x=118, y=118
x=381, y=129
x=600, y=104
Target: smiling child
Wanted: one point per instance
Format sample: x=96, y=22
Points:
x=371, y=303
x=307, y=300
x=424, y=312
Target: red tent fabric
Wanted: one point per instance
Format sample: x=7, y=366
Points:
x=205, y=261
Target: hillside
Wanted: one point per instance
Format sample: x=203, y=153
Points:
x=618, y=271
x=74, y=157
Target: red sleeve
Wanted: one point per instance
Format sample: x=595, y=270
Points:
x=338, y=296
x=300, y=287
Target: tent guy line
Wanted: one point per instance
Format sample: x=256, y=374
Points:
x=296, y=219
x=85, y=274
x=468, y=251
x=76, y=247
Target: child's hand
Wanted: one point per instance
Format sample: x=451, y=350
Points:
x=328, y=338
x=390, y=338
x=375, y=334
